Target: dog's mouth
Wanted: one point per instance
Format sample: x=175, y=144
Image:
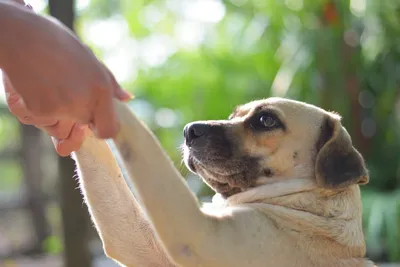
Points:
x=226, y=176
x=221, y=173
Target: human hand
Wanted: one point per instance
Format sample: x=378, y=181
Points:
x=57, y=76
x=67, y=136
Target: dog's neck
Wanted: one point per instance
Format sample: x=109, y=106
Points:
x=266, y=191
x=301, y=199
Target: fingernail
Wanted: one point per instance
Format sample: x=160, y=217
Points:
x=129, y=96
x=126, y=96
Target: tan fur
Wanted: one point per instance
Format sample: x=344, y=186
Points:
x=287, y=220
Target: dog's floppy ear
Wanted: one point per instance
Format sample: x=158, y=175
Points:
x=338, y=164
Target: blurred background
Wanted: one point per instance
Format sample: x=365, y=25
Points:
x=197, y=59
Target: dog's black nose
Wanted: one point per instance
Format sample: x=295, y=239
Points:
x=194, y=131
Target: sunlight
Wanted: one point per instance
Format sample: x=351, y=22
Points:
x=211, y=11
x=151, y=15
x=38, y=5
x=116, y=28
x=119, y=51
x=189, y=34
x=124, y=55
x=166, y=118
x=122, y=60
x=82, y=4
x=295, y=5
x=155, y=49
x=358, y=7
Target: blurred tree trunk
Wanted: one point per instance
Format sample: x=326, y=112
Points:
x=346, y=72
x=74, y=217
x=32, y=149
x=352, y=87
x=74, y=214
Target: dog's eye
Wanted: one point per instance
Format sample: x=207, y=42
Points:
x=267, y=121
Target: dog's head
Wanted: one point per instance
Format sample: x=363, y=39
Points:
x=269, y=140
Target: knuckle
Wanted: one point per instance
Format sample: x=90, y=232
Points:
x=60, y=133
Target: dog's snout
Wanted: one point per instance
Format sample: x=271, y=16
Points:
x=194, y=131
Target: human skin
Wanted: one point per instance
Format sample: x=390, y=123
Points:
x=52, y=80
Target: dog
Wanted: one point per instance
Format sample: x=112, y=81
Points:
x=286, y=177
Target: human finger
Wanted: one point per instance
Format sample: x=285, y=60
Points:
x=61, y=130
x=104, y=122
x=64, y=147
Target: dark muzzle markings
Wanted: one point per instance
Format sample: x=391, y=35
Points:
x=213, y=152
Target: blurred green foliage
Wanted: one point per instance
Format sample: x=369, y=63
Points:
x=11, y=173
x=53, y=245
x=198, y=59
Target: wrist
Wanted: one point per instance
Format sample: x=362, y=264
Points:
x=13, y=19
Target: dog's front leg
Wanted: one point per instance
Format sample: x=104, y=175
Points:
x=125, y=232
x=170, y=205
x=172, y=208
